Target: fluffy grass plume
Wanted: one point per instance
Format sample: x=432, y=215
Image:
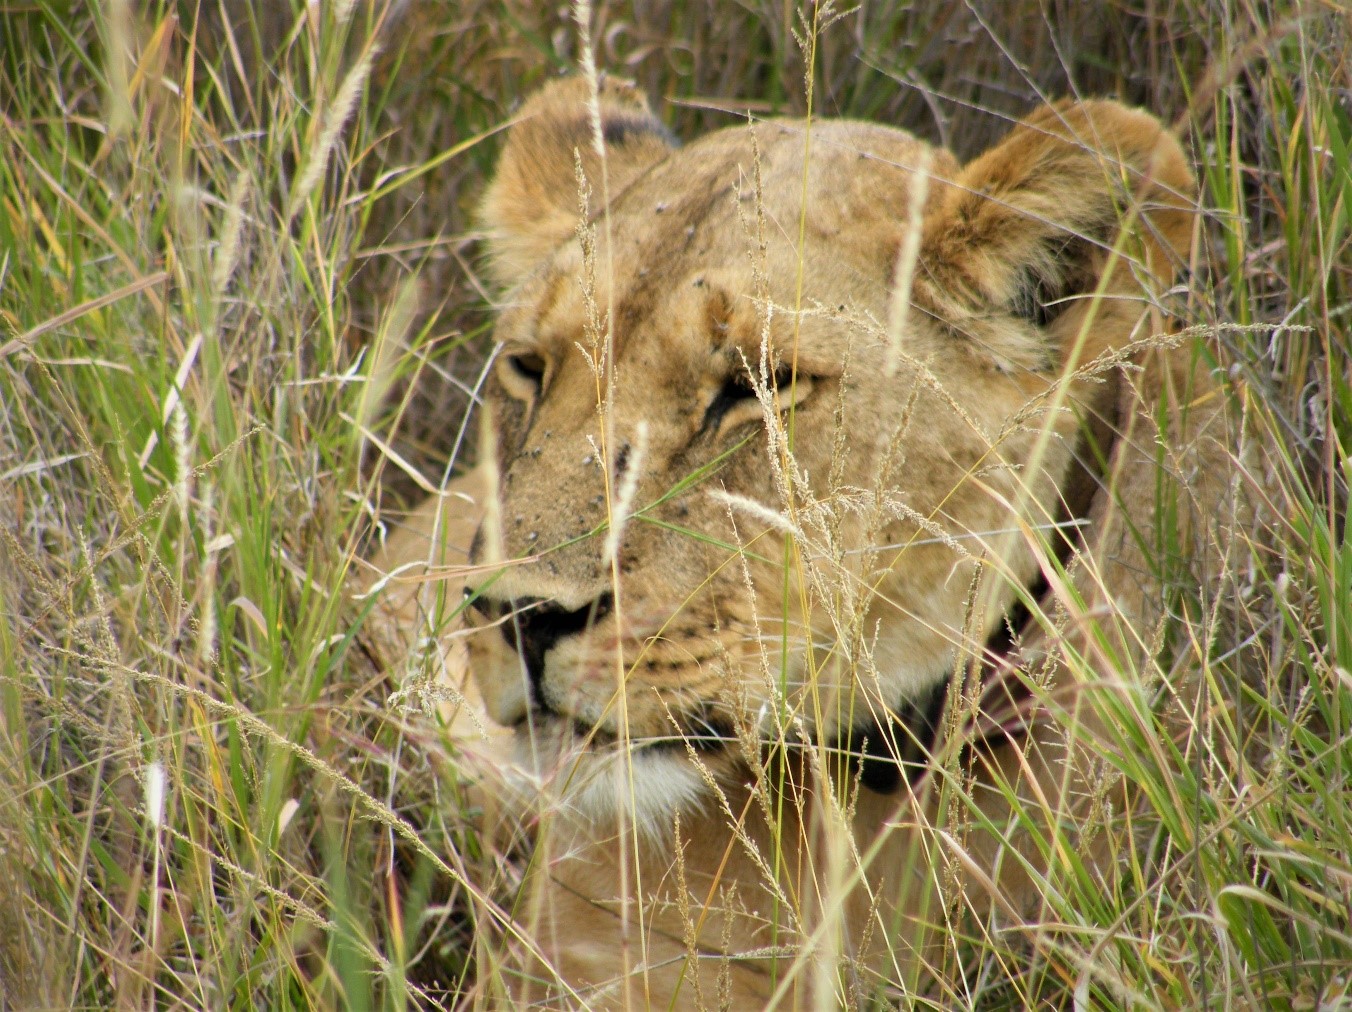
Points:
x=241, y=320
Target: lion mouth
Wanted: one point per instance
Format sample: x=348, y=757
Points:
x=534, y=626
x=881, y=752
x=538, y=626
x=700, y=730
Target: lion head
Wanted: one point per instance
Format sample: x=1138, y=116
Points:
x=791, y=423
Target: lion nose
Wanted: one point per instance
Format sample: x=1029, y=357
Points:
x=532, y=626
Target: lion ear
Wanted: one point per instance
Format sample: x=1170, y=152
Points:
x=533, y=203
x=1033, y=222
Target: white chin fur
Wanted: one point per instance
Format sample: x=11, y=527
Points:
x=644, y=787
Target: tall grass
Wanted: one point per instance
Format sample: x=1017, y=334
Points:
x=240, y=317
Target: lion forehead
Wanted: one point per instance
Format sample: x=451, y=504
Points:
x=726, y=221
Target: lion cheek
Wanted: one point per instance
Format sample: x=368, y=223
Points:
x=501, y=678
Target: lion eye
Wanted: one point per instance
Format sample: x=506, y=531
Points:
x=523, y=373
x=739, y=386
x=528, y=366
x=738, y=395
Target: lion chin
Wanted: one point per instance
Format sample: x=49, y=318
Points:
x=631, y=785
x=819, y=495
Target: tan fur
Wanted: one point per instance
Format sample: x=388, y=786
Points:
x=533, y=204
x=905, y=514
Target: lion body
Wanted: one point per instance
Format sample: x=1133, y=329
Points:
x=754, y=525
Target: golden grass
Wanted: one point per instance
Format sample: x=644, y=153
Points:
x=240, y=320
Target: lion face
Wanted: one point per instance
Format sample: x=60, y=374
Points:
x=742, y=485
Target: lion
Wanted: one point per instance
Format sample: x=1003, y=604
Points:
x=816, y=521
